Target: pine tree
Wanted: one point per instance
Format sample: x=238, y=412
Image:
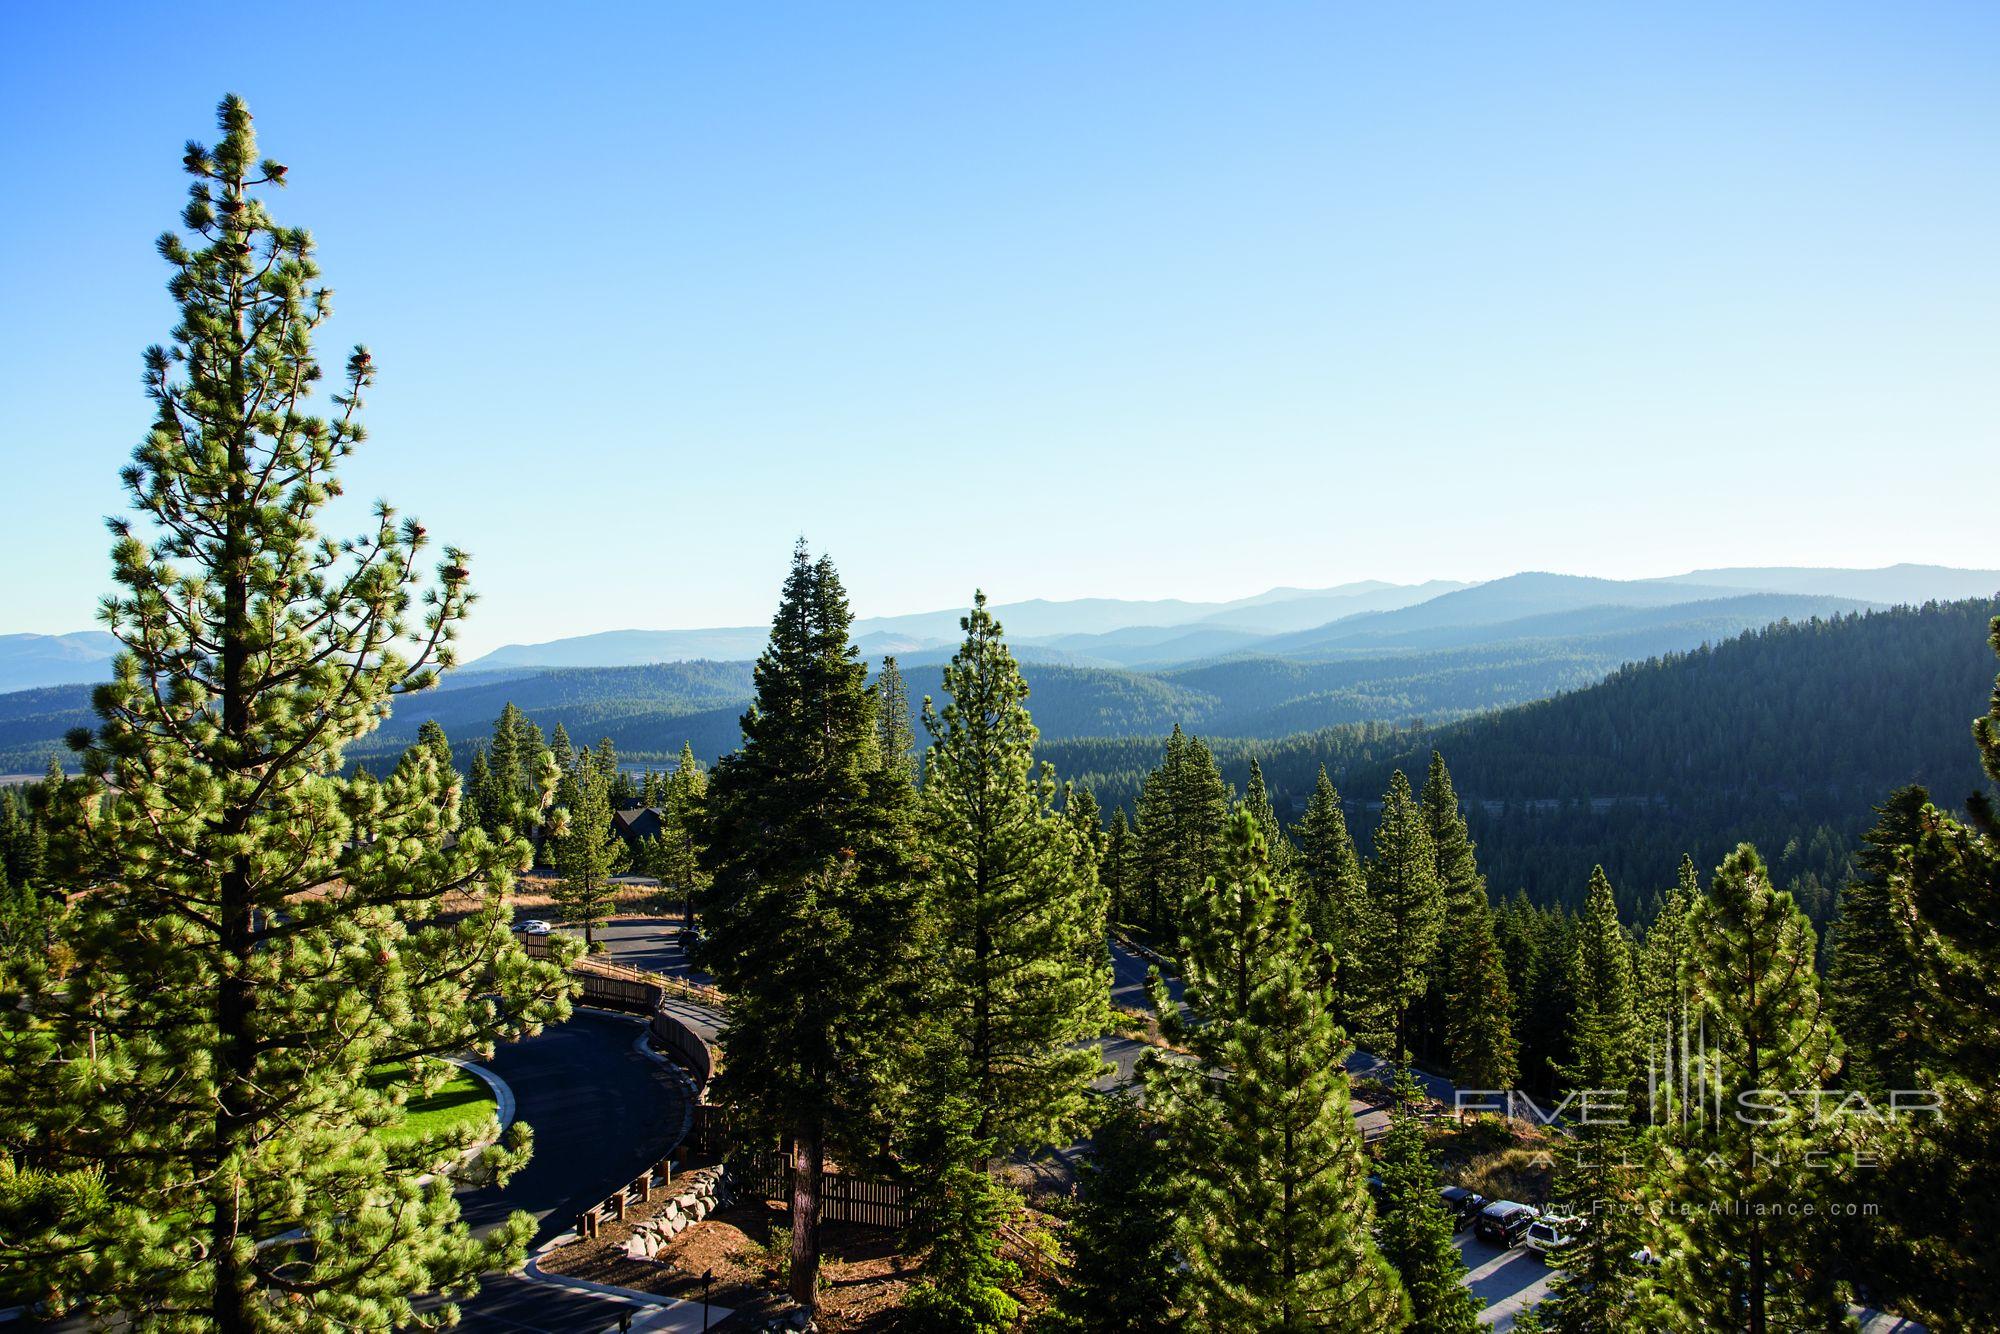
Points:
x=586, y=851
x=1872, y=978
x=1336, y=898
x=1597, y=1169
x=431, y=736
x=1940, y=1183
x=1119, y=870
x=1079, y=807
x=256, y=933
x=1605, y=1041
x=1257, y=800
x=811, y=912
x=1463, y=889
x=892, y=718
x=1014, y=898
x=1479, y=1021
x=1123, y=1274
x=1182, y=807
x=1753, y=1262
x=1413, y=1230
x=1405, y=910
x=674, y=855
x=1664, y=956
x=1276, y=1226
x=1020, y=970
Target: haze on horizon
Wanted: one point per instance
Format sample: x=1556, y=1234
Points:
x=1181, y=304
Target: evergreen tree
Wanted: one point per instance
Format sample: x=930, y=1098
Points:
x=810, y=911
x=1413, y=1230
x=1257, y=800
x=1597, y=1178
x=1019, y=929
x=1604, y=1027
x=1463, y=889
x=562, y=749
x=1013, y=897
x=1741, y=1256
x=1123, y=1273
x=430, y=735
x=1181, y=812
x=478, y=783
x=1664, y=956
x=1479, y=1020
x=1119, y=871
x=1872, y=982
x=1405, y=910
x=1336, y=897
x=1079, y=806
x=586, y=851
x=892, y=718
x=1940, y=1187
x=674, y=855
x=256, y=934
x=1275, y=1232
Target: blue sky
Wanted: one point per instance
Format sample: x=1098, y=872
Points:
x=1116, y=299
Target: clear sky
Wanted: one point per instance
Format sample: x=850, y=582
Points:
x=1062, y=300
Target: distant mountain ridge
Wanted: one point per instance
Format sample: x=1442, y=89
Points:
x=1113, y=632
x=1364, y=617
x=28, y=661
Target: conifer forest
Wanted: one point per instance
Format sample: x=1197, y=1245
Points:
x=1534, y=952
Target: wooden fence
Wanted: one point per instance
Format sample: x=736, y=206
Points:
x=767, y=1174
x=634, y=991
x=842, y=1198
x=639, y=1190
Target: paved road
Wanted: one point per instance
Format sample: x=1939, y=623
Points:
x=1505, y=1282
x=601, y=1112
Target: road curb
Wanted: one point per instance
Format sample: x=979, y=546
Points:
x=668, y=1313
x=503, y=1095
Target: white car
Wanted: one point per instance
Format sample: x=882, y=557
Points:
x=1547, y=1233
x=535, y=926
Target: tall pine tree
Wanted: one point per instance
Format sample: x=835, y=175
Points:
x=1742, y=1255
x=1019, y=932
x=1276, y=1229
x=1405, y=911
x=262, y=968
x=1335, y=894
x=811, y=910
x=585, y=850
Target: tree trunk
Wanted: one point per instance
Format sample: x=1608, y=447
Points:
x=807, y=1153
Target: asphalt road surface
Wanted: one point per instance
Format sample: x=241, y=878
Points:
x=601, y=1112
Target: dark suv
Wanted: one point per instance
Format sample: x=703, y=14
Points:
x=1463, y=1205
x=1505, y=1222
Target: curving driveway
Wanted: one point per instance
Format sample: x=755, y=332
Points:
x=601, y=1112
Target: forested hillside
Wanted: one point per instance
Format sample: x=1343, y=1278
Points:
x=1785, y=736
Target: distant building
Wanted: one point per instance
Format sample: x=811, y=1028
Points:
x=636, y=823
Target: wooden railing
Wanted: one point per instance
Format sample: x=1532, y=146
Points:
x=635, y=991
x=639, y=1190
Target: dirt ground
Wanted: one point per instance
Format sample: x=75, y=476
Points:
x=862, y=1276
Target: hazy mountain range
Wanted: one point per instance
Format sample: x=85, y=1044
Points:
x=1247, y=669
x=1306, y=622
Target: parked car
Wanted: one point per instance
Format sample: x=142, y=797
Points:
x=1463, y=1205
x=1547, y=1233
x=1504, y=1222
x=535, y=926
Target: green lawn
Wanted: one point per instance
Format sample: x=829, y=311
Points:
x=464, y=1098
